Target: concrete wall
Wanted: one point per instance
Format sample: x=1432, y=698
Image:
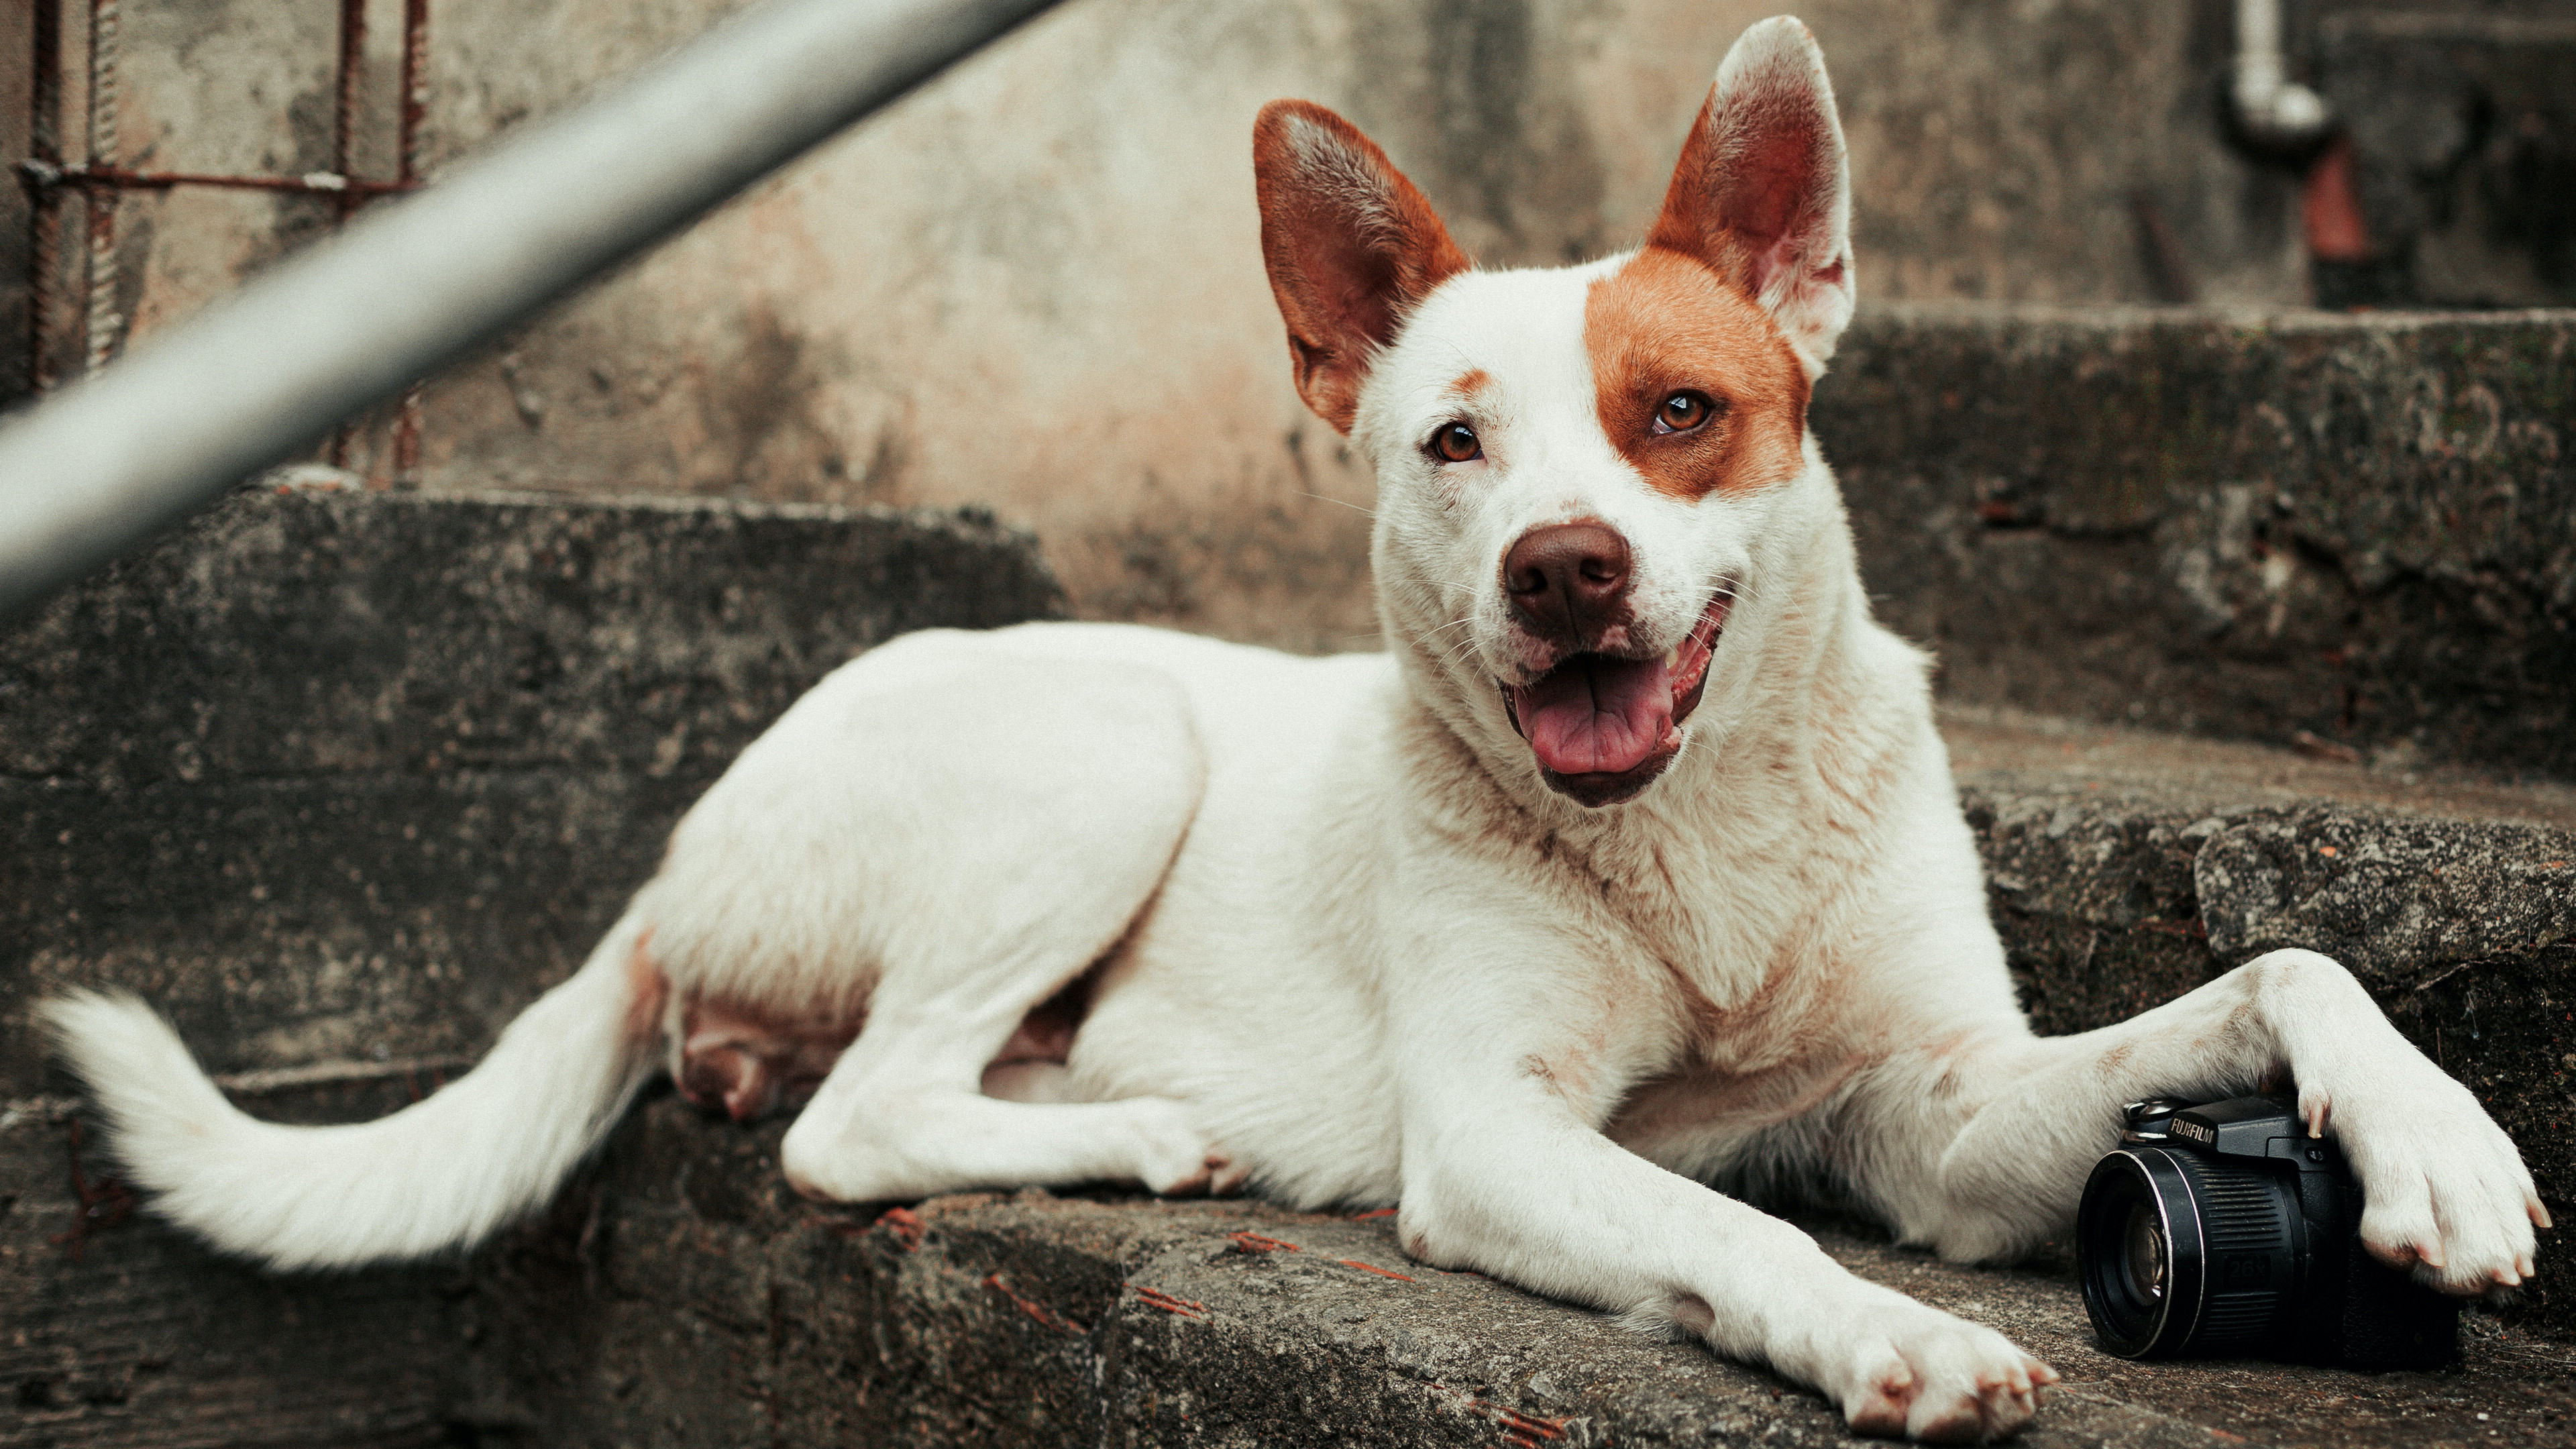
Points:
x=1036, y=284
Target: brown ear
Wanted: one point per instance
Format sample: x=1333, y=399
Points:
x=1350, y=244
x=1763, y=192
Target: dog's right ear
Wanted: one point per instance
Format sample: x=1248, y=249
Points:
x=1350, y=244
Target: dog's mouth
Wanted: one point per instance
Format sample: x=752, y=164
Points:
x=1602, y=726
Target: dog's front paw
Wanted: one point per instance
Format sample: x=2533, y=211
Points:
x=1919, y=1373
x=2444, y=1192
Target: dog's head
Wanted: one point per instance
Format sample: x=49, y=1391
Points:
x=1579, y=469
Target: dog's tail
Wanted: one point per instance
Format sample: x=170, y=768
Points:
x=441, y=1173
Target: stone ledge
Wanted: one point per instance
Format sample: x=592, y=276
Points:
x=2235, y=524
x=677, y=1295
x=1032, y=1319
x=292, y=634
x=2120, y=878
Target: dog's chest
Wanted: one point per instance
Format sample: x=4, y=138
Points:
x=1751, y=954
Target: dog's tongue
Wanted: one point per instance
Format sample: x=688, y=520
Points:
x=1594, y=715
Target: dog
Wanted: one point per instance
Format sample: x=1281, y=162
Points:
x=1629, y=884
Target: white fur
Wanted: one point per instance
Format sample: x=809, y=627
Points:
x=1357, y=950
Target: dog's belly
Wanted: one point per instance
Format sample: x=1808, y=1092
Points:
x=1290, y=1080
x=1243, y=991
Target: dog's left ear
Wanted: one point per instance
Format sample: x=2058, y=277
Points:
x=1350, y=244
x=1763, y=192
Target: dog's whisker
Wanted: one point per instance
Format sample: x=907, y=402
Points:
x=1344, y=502
x=1451, y=585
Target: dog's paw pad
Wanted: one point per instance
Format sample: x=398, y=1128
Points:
x=1226, y=1176
x=1174, y=1160
x=1879, y=1408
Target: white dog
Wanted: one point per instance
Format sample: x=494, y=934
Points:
x=1633, y=875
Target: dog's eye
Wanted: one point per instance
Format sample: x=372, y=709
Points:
x=1683, y=411
x=1455, y=443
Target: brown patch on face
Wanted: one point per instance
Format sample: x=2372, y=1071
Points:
x=1471, y=382
x=1665, y=323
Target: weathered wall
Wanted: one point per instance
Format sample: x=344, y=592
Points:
x=1037, y=283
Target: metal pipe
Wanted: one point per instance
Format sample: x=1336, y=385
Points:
x=2273, y=110
x=417, y=282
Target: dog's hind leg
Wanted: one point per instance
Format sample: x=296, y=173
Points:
x=902, y=1116
x=937, y=1096
x=1982, y=1148
x=934, y=842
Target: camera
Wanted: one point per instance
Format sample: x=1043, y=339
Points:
x=2224, y=1230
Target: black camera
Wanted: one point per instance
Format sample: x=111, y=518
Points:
x=2224, y=1230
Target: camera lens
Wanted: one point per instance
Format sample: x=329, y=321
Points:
x=2143, y=1254
x=2185, y=1254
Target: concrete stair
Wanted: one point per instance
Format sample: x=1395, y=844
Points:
x=2357, y=529
x=342, y=781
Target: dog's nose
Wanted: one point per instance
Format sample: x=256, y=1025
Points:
x=1566, y=581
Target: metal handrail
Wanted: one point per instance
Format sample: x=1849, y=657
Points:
x=417, y=282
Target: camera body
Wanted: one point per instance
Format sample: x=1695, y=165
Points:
x=2224, y=1230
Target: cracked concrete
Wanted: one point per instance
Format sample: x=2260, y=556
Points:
x=679, y=1295
x=2281, y=527
x=2125, y=868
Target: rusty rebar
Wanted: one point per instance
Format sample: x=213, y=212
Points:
x=44, y=202
x=409, y=161
x=103, y=322
x=415, y=93
x=80, y=175
x=346, y=91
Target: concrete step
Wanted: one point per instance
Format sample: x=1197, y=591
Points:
x=2358, y=528
x=347, y=775
x=209, y=759
x=2126, y=867
x=678, y=1296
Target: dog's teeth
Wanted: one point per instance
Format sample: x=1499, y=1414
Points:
x=1673, y=658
